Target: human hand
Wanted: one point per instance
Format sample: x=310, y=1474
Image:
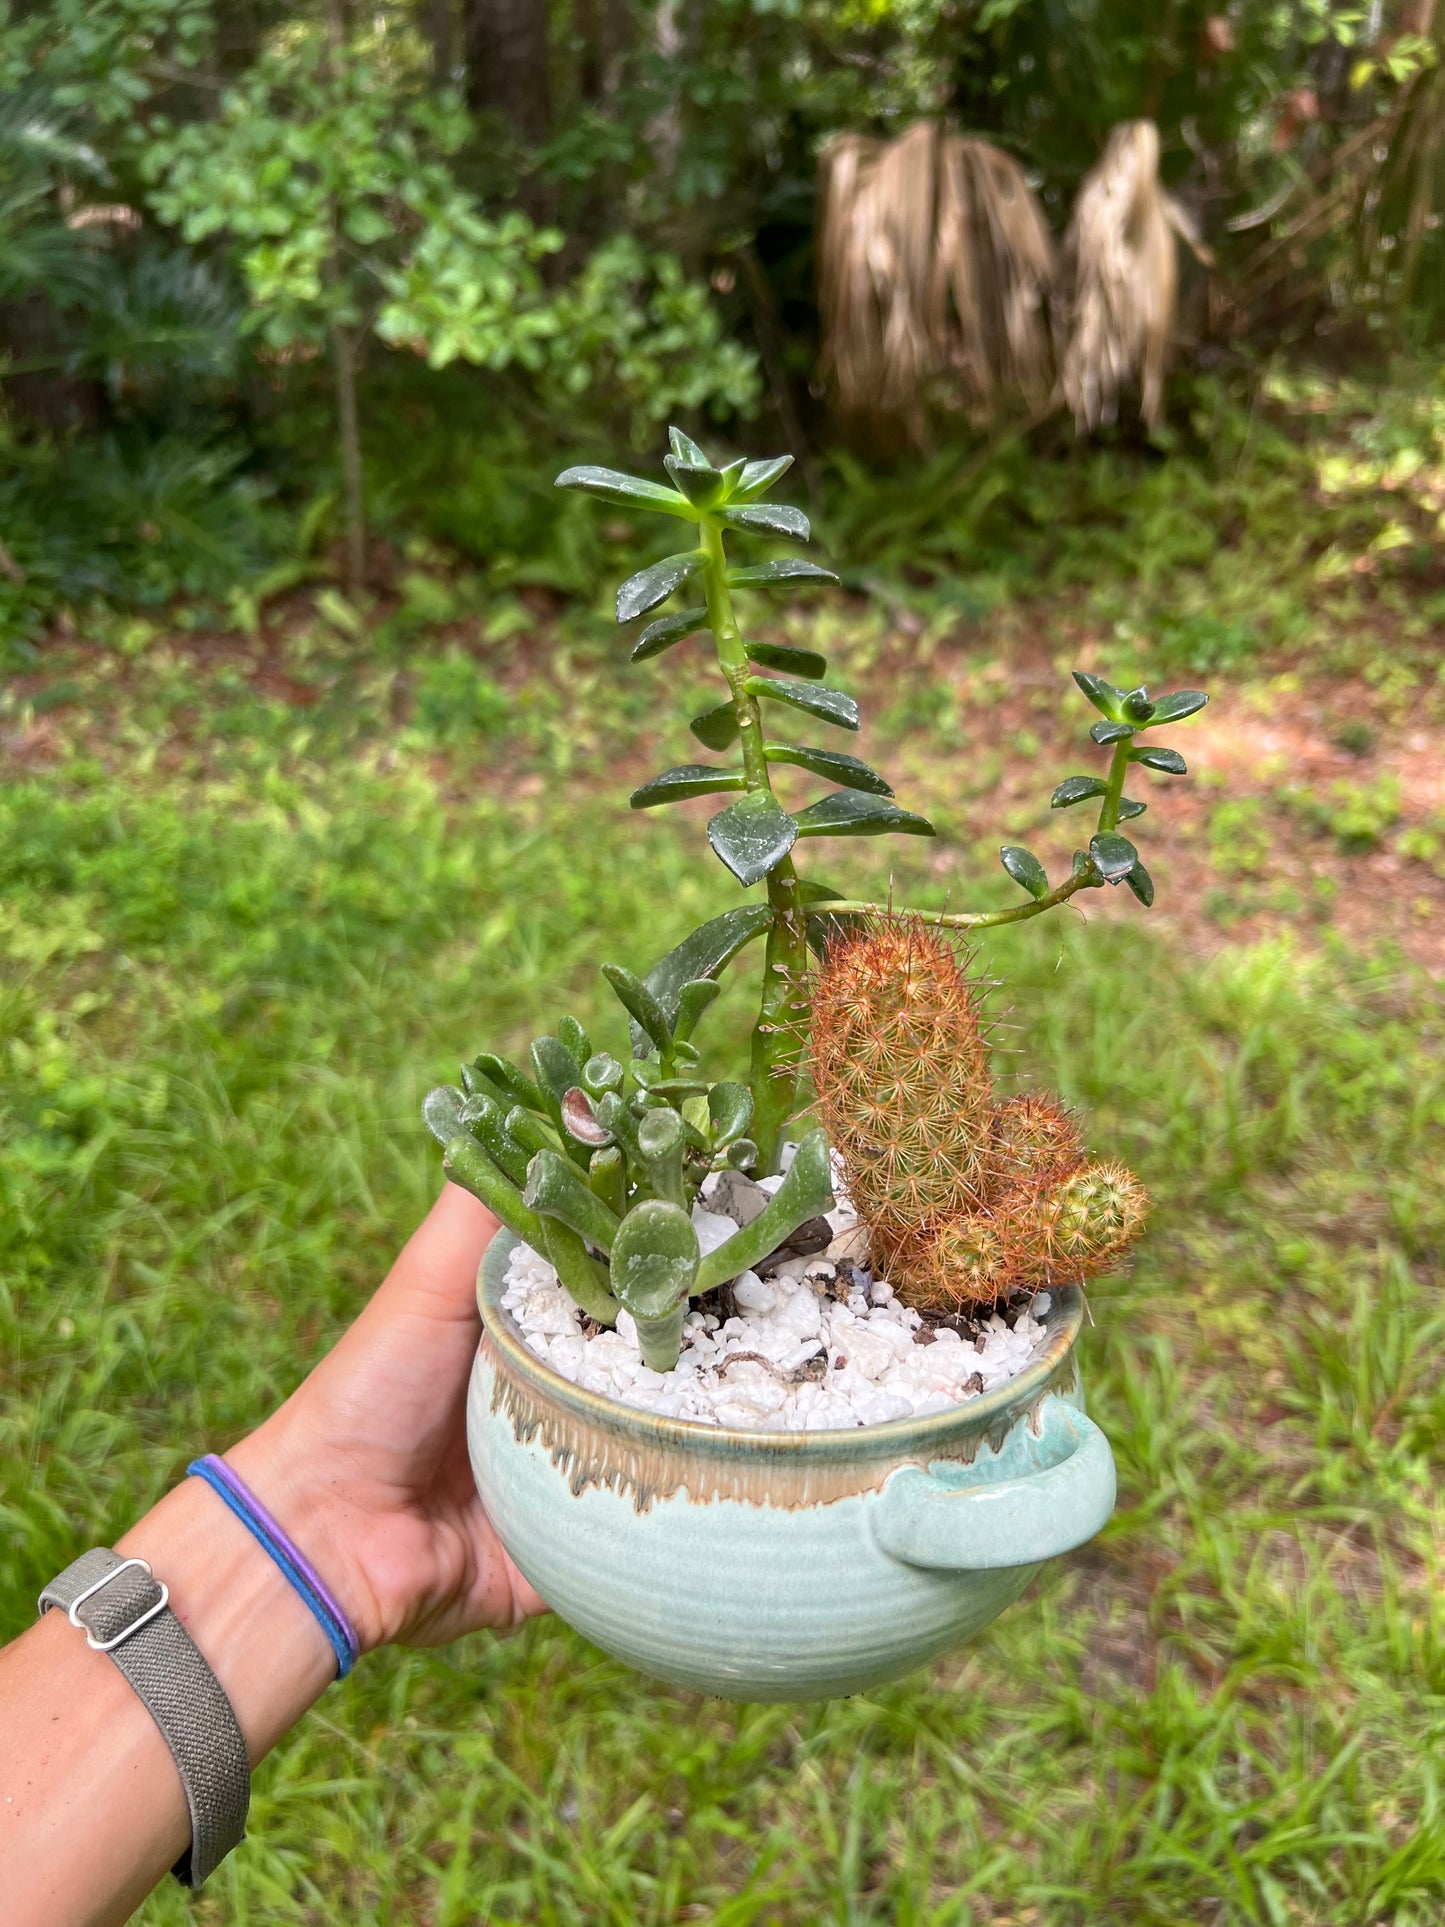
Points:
x=366, y=1463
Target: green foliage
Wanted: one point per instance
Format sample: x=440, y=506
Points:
x=456, y=699
x=632, y=327
x=135, y=517
x=212, y=1151
x=1357, y=815
x=329, y=172
x=597, y=1163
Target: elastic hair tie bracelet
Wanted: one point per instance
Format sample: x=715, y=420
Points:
x=321, y=1602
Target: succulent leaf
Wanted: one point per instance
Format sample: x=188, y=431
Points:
x=700, y=482
x=1025, y=869
x=1114, y=856
x=630, y=491
x=685, y=449
x=578, y=1043
x=696, y=996
x=1142, y=884
x=486, y=1119
x=579, y=1272
x=649, y=586
x=1108, y=700
x=661, y=1138
x=467, y=1164
x=1183, y=702
x=784, y=568
x=730, y=1111
x=1075, y=789
x=833, y=764
x=854, y=813
x=654, y=1271
x=758, y=477
x=441, y=1112
x=640, y=1004
x=795, y=662
x=817, y=699
x=716, y=728
x=518, y=1088
x=554, y=1190
x=579, y=1120
x=769, y=518
x=709, y=949
x=1168, y=760
x=688, y=779
x=667, y=630
x=806, y=1192
x=752, y=835
x=600, y=1073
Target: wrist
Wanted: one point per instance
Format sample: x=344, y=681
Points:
x=309, y=1498
x=257, y=1636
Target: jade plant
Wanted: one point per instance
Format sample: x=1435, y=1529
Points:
x=596, y=1160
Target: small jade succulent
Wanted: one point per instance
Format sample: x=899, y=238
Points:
x=596, y=1161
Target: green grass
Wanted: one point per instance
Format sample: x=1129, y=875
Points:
x=234, y=963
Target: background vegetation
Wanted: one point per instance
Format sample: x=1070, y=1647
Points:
x=316, y=740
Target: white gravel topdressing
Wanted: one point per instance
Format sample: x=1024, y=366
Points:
x=818, y=1345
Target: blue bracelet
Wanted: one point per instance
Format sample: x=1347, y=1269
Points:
x=307, y=1583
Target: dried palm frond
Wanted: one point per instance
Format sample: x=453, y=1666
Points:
x=994, y=261
x=1120, y=280
x=934, y=260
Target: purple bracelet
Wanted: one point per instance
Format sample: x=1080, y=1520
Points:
x=319, y=1599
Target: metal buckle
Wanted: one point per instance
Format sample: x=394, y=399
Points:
x=107, y=1645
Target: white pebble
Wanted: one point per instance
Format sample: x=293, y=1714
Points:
x=712, y=1230
x=754, y=1293
x=875, y=1371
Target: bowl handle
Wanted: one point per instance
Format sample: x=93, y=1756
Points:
x=1049, y=1489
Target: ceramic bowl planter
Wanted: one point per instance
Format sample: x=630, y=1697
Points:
x=781, y=1565
x=786, y=1564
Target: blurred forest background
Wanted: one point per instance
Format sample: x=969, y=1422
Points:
x=1107, y=335
x=266, y=271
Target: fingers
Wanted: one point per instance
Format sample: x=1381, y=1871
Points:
x=526, y=1602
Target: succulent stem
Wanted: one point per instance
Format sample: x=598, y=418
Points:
x=778, y=1037
x=1118, y=770
x=965, y=919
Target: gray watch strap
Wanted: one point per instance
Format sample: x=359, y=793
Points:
x=126, y=1617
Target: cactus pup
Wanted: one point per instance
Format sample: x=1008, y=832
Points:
x=966, y=1200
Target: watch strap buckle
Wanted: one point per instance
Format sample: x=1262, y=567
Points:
x=134, y=1626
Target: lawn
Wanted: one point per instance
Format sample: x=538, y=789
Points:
x=256, y=895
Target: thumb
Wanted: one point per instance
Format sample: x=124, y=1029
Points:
x=436, y=1273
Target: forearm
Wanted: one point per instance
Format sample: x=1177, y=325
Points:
x=365, y=1466
x=92, y=1814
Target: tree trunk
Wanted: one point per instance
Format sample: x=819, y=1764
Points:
x=605, y=31
x=343, y=359
x=437, y=26
x=505, y=47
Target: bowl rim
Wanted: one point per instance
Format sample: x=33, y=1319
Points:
x=905, y=1436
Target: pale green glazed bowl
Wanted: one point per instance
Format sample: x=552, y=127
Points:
x=780, y=1565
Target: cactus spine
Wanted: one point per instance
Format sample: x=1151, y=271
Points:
x=966, y=1199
